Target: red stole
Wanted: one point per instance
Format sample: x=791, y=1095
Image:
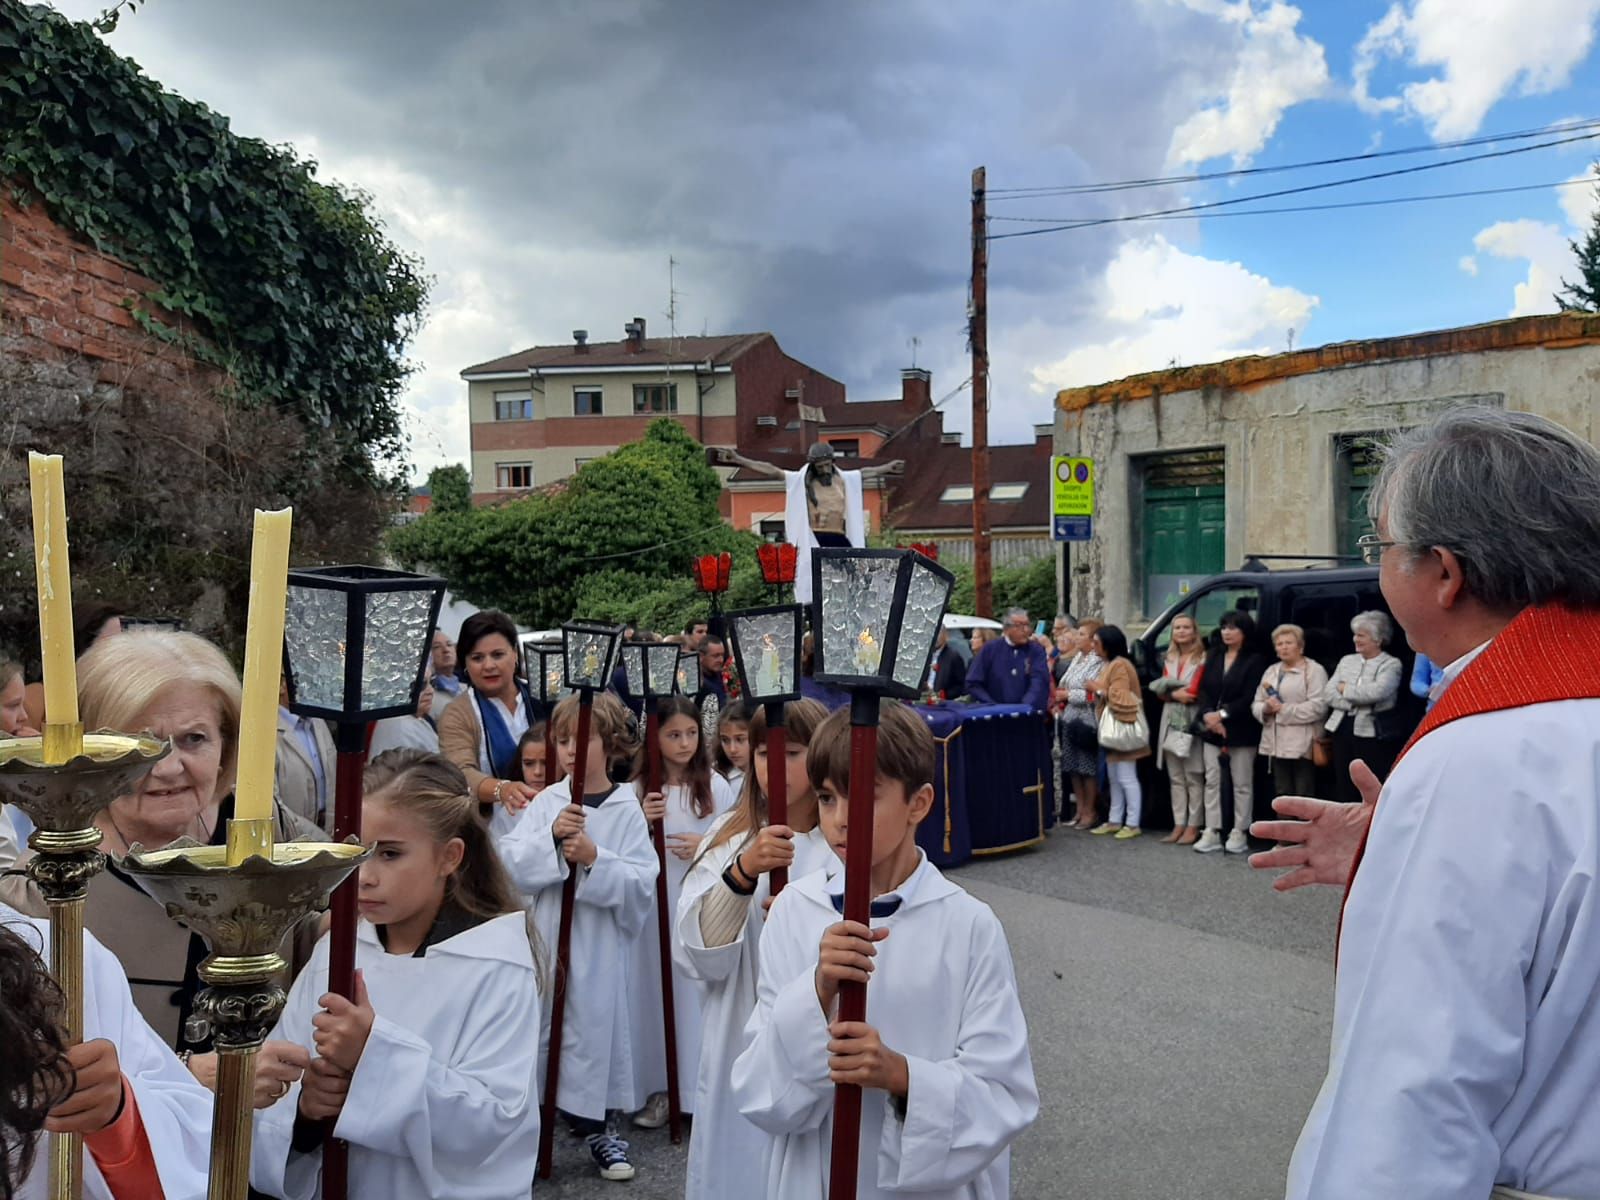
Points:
x=1545, y=654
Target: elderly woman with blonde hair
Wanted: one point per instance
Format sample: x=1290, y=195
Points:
x=1290, y=706
x=181, y=688
x=1362, y=694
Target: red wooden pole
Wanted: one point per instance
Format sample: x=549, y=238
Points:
x=669, y=1015
x=777, y=782
x=558, y=1000
x=351, y=739
x=857, y=907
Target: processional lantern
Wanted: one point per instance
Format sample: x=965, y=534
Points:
x=877, y=615
x=356, y=647
x=588, y=657
x=544, y=661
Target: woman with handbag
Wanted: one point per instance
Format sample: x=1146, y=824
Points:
x=1362, y=695
x=1123, y=732
x=1179, y=685
x=1291, y=709
x=1080, y=747
x=1229, y=729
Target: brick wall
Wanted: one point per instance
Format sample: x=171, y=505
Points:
x=61, y=300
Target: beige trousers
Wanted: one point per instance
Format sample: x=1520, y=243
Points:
x=1187, y=783
x=1242, y=764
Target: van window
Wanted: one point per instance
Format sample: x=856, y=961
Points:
x=1325, y=612
x=1207, y=608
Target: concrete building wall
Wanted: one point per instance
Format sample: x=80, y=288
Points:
x=1279, y=434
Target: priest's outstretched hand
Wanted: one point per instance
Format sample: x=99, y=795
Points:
x=341, y=1028
x=96, y=1098
x=1323, y=835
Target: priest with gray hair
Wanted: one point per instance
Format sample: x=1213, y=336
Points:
x=1465, y=1058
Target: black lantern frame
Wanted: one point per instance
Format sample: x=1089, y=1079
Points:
x=910, y=568
x=660, y=670
x=544, y=663
x=354, y=585
x=747, y=658
x=576, y=639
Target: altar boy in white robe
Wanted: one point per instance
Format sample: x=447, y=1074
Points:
x=429, y=1072
x=608, y=843
x=1466, y=1043
x=146, y=1119
x=949, y=1085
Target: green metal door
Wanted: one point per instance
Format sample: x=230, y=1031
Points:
x=1357, y=464
x=1183, y=541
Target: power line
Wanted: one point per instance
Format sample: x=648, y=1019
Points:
x=1090, y=189
x=1301, y=208
x=1184, y=210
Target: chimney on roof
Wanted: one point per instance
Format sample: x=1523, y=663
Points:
x=916, y=389
x=635, y=331
x=580, y=341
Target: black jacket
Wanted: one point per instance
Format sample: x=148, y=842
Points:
x=1233, y=691
x=950, y=673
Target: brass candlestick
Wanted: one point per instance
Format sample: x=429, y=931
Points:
x=61, y=799
x=244, y=913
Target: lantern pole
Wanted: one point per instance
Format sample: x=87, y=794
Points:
x=350, y=739
x=864, y=708
x=777, y=781
x=658, y=835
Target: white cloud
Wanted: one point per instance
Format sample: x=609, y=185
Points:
x=1276, y=68
x=1468, y=264
x=1162, y=305
x=1543, y=245
x=1482, y=50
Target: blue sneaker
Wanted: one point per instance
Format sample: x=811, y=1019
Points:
x=610, y=1154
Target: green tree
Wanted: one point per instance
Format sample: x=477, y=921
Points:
x=450, y=489
x=612, y=542
x=1584, y=294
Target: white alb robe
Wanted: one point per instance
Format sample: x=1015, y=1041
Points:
x=173, y=1105
x=612, y=904
x=726, y=1151
x=444, y=1102
x=1466, y=1033
x=644, y=980
x=797, y=523
x=943, y=994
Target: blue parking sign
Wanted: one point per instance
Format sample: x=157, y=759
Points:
x=1073, y=529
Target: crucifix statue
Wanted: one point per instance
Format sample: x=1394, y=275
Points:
x=822, y=503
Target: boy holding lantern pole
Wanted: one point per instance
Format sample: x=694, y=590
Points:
x=943, y=1054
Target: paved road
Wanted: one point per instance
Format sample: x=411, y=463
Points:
x=1178, y=1011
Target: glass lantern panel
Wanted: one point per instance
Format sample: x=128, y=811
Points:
x=555, y=677
x=857, y=596
x=662, y=663
x=633, y=666
x=314, y=631
x=689, y=674
x=919, y=627
x=398, y=628
x=766, y=647
x=588, y=654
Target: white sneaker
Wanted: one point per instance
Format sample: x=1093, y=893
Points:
x=654, y=1114
x=1238, y=842
x=1210, y=842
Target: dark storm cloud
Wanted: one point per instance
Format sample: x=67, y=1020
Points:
x=807, y=163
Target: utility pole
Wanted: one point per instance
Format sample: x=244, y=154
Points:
x=978, y=335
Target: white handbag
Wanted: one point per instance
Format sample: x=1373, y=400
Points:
x=1123, y=737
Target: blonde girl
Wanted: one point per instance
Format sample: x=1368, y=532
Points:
x=430, y=1071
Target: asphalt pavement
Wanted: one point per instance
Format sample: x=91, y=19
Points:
x=1178, y=1010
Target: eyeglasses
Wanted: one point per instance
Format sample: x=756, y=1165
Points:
x=1372, y=548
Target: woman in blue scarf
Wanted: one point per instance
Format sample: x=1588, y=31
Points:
x=480, y=729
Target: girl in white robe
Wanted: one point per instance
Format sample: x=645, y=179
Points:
x=731, y=754
x=430, y=1072
x=174, y=1108
x=716, y=938
x=609, y=842
x=692, y=796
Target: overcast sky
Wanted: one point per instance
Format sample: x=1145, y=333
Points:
x=807, y=166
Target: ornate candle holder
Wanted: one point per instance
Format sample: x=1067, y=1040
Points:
x=61, y=798
x=243, y=913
